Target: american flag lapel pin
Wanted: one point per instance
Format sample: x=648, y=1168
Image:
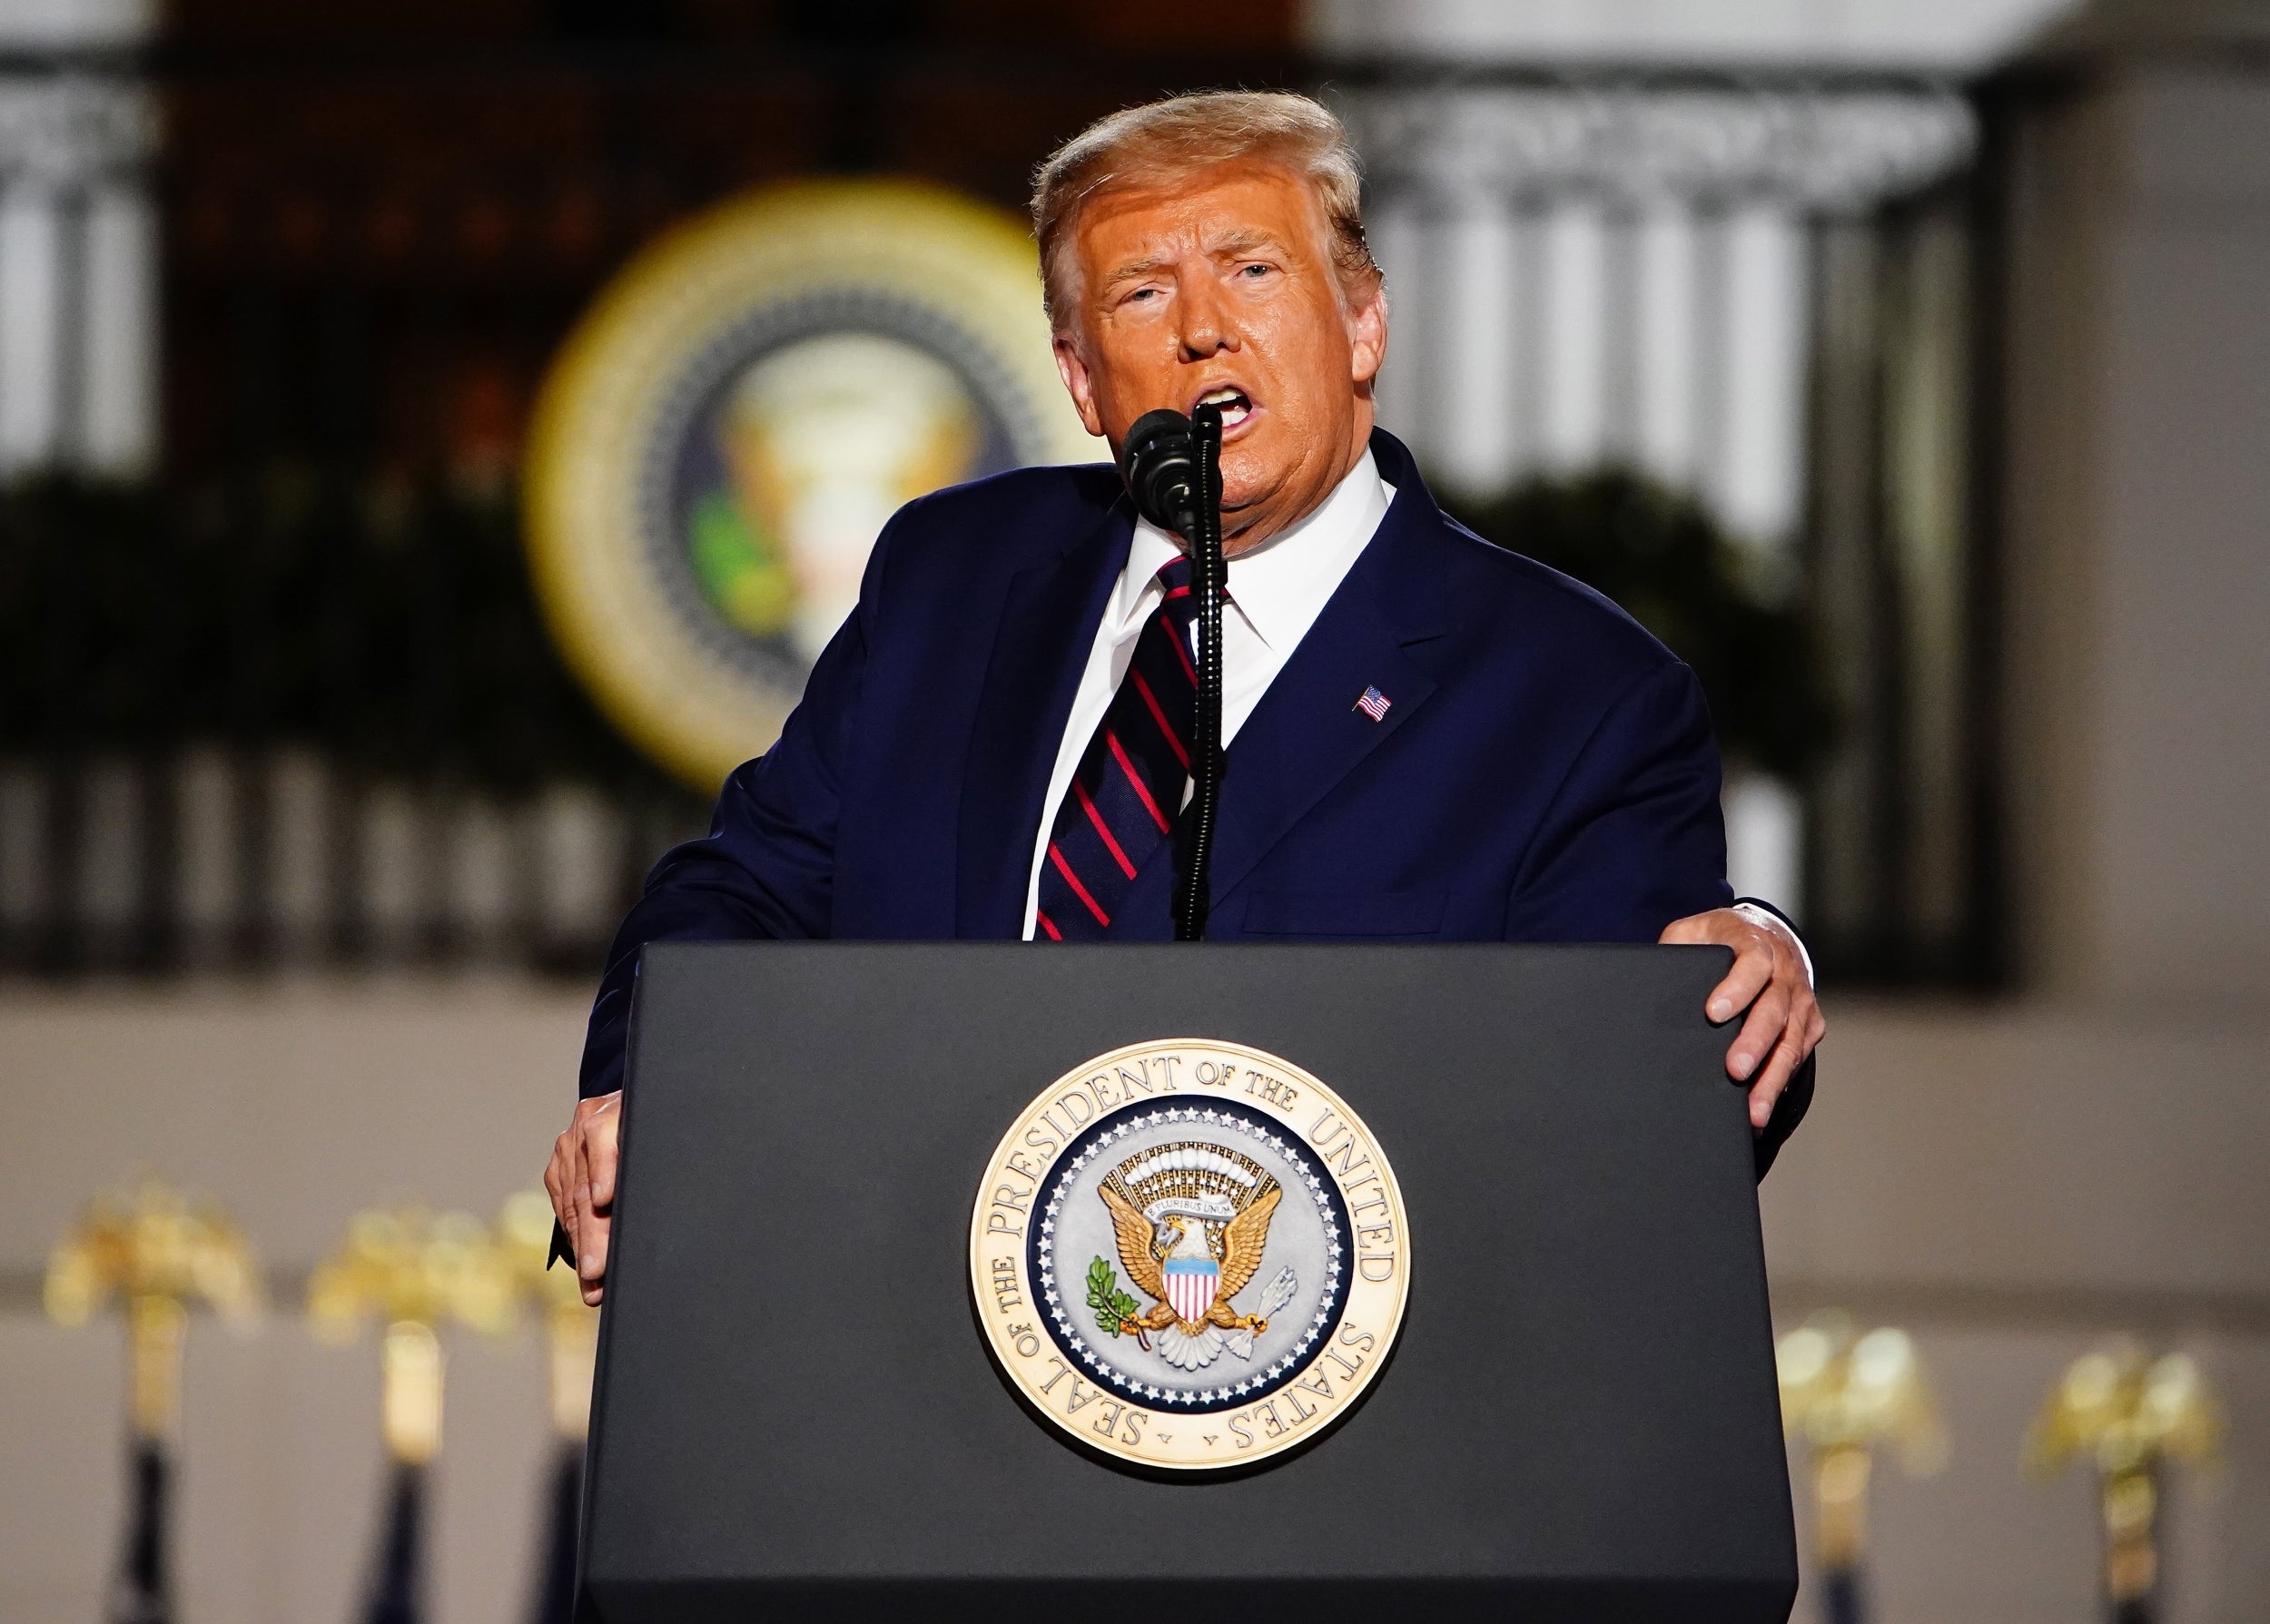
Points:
x=1374, y=704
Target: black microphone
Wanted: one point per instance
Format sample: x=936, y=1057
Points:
x=1160, y=460
x=1172, y=465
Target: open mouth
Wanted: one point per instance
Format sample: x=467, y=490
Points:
x=1235, y=407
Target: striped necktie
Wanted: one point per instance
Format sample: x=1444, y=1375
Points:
x=1129, y=787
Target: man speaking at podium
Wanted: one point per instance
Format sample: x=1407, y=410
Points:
x=1428, y=739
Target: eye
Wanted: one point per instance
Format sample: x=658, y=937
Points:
x=1255, y=272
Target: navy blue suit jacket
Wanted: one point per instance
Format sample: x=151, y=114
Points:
x=1545, y=771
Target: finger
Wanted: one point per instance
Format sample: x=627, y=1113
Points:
x=1752, y=971
x=1787, y=1056
x=591, y=1260
x=1769, y=1017
x=1687, y=932
x=599, y=1156
x=556, y=1185
x=1805, y=1022
x=575, y=1183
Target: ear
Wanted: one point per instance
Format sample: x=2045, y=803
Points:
x=1073, y=371
x=1367, y=330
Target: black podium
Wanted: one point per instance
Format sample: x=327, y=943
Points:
x=797, y=1416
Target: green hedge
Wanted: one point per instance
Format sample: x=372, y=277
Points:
x=394, y=627
x=391, y=626
x=1662, y=557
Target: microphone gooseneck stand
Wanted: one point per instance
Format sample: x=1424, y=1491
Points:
x=1173, y=469
x=1209, y=577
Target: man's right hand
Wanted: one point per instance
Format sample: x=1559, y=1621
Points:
x=580, y=1180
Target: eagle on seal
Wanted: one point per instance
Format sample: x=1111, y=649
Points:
x=1193, y=1246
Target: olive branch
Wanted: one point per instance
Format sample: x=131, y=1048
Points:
x=1113, y=1306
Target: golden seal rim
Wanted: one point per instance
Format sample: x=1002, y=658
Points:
x=596, y=410
x=1390, y=1305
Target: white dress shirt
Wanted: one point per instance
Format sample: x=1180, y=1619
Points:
x=1275, y=594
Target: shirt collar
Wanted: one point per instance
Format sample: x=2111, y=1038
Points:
x=1281, y=586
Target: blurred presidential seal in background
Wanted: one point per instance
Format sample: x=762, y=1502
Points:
x=725, y=432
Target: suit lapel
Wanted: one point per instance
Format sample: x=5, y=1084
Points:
x=1047, y=624
x=1306, y=734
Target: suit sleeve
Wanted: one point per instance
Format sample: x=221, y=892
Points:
x=1632, y=839
x=765, y=870
x=1635, y=839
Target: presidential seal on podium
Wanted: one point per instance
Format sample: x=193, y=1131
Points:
x=1189, y=1254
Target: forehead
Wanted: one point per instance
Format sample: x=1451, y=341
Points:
x=1198, y=213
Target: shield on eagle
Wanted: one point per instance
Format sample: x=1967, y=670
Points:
x=1190, y=1285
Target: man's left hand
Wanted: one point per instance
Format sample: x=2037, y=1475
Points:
x=1771, y=980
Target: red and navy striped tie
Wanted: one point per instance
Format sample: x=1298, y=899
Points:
x=1128, y=788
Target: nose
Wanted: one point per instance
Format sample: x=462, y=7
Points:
x=1209, y=325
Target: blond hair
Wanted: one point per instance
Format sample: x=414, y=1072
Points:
x=1181, y=135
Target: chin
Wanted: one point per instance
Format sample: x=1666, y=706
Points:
x=1246, y=478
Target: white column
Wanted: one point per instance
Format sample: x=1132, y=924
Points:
x=1765, y=841
x=1479, y=445
x=1575, y=339
x=1668, y=376
x=1759, y=480
x=117, y=432
x=31, y=314
x=78, y=268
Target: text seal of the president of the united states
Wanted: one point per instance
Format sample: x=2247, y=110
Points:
x=1189, y=1254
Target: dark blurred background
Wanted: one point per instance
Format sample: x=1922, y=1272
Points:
x=1906, y=366
x=268, y=662
x=270, y=665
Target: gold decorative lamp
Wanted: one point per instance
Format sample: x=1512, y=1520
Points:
x=155, y=1254
x=411, y=1272
x=1844, y=1394
x=524, y=1229
x=572, y=1340
x=2128, y=1413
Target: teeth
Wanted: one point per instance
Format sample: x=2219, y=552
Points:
x=1235, y=407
